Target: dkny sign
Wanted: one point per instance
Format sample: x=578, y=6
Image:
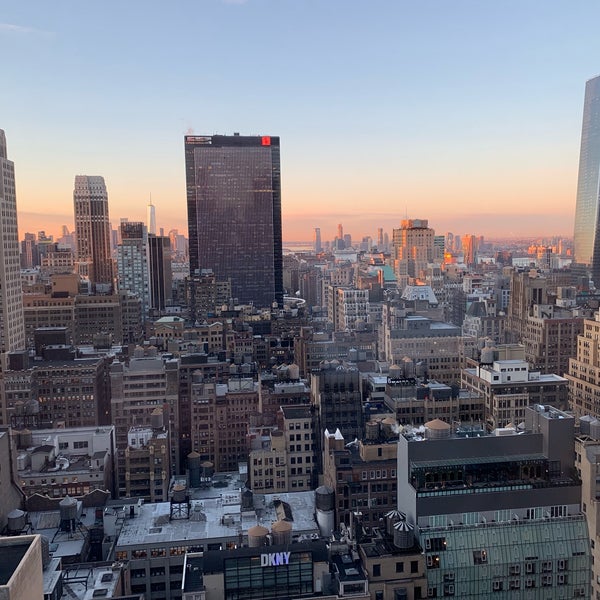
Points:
x=275, y=559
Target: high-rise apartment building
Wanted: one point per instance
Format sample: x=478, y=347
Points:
x=234, y=213
x=587, y=216
x=92, y=227
x=12, y=325
x=132, y=261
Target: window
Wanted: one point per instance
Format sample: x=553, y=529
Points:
x=414, y=566
x=449, y=589
x=399, y=567
x=433, y=561
x=78, y=445
x=561, y=579
x=514, y=584
x=546, y=580
x=432, y=592
x=497, y=585
x=515, y=569
x=530, y=582
x=376, y=570
x=479, y=557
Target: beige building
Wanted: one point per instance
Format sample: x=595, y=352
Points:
x=285, y=460
x=584, y=371
x=21, y=568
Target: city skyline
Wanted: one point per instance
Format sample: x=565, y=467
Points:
x=469, y=115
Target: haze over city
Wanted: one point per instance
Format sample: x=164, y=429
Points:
x=467, y=113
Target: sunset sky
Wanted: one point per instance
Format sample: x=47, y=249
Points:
x=463, y=112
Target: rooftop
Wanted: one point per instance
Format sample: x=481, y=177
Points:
x=216, y=513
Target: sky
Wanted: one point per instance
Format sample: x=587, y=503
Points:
x=462, y=112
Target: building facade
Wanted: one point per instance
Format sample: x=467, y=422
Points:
x=12, y=329
x=587, y=223
x=234, y=213
x=92, y=227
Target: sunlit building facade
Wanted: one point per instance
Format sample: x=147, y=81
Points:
x=587, y=214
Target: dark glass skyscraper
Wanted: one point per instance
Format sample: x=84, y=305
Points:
x=234, y=213
x=587, y=214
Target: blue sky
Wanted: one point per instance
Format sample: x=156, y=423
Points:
x=467, y=113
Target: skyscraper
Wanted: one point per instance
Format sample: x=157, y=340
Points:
x=160, y=272
x=151, y=218
x=234, y=213
x=318, y=246
x=12, y=324
x=587, y=212
x=92, y=228
x=132, y=262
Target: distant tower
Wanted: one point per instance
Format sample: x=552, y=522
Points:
x=12, y=324
x=380, y=239
x=92, y=228
x=340, y=232
x=318, y=245
x=151, y=218
x=470, y=247
x=587, y=211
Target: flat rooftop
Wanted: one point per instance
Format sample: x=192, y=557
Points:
x=215, y=514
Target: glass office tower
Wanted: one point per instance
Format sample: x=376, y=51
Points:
x=587, y=217
x=234, y=213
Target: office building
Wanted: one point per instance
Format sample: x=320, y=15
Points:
x=587, y=224
x=92, y=227
x=132, y=262
x=160, y=273
x=498, y=515
x=413, y=250
x=12, y=328
x=234, y=213
x=318, y=246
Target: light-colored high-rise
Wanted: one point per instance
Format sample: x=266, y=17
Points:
x=587, y=212
x=12, y=324
x=92, y=227
x=151, y=218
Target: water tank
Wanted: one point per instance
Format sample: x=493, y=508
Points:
x=372, y=430
x=25, y=438
x=17, y=519
x=421, y=369
x=194, y=469
x=233, y=369
x=391, y=518
x=595, y=429
x=326, y=522
x=282, y=532
x=396, y=372
x=156, y=419
x=247, y=500
x=437, y=429
x=207, y=469
x=353, y=355
x=68, y=513
x=584, y=424
x=246, y=368
x=138, y=352
x=179, y=493
x=257, y=536
x=325, y=498
x=294, y=372
x=404, y=536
